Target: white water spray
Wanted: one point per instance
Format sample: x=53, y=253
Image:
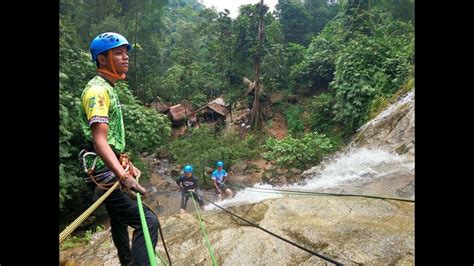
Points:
x=354, y=167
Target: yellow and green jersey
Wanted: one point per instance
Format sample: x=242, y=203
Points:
x=100, y=104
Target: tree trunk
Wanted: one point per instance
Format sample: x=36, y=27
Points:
x=136, y=49
x=256, y=116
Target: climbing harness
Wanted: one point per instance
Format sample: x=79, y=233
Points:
x=203, y=229
x=101, y=179
x=275, y=235
x=83, y=155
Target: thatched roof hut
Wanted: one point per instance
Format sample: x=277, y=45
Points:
x=180, y=112
x=214, y=110
x=220, y=109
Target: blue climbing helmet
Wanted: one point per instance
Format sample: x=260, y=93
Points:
x=188, y=169
x=219, y=163
x=106, y=41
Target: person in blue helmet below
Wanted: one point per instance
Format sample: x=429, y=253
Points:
x=219, y=176
x=188, y=185
x=103, y=126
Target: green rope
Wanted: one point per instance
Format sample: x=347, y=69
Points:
x=146, y=233
x=209, y=247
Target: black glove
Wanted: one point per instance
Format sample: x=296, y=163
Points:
x=131, y=186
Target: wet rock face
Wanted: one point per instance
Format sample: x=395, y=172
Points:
x=349, y=230
x=380, y=157
x=99, y=251
x=392, y=130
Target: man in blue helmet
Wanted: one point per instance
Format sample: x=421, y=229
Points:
x=219, y=176
x=102, y=123
x=188, y=184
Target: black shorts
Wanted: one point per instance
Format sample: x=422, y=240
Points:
x=185, y=195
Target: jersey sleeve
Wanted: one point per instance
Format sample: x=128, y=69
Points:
x=213, y=176
x=96, y=103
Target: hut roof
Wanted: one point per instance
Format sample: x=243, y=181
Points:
x=218, y=100
x=217, y=105
x=179, y=111
x=220, y=109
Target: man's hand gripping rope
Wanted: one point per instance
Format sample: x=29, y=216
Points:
x=128, y=180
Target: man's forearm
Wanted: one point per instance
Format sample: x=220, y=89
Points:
x=106, y=153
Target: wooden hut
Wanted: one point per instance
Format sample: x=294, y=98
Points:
x=179, y=113
x=214, y=111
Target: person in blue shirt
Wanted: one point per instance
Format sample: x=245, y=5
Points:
x=219, y=176
x=188, y=184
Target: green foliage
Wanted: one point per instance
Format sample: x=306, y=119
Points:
x=270, y=123
x=77, y=241
x=362, y=63
x=293, y=119
x=203, y=147
x=301, y=20
x=273, y=75
x=298, y=152
x=322, y=115
x=74, y=67
x=316, y=68
x=145, y=128
x=73, y=192
x=371, y=67
x=403, y=10
x=245, y=28
x=278, y=62
x=294, y=54
x=380, y=102
x=199, y=100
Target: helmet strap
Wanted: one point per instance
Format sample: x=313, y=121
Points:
x=113, y=73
